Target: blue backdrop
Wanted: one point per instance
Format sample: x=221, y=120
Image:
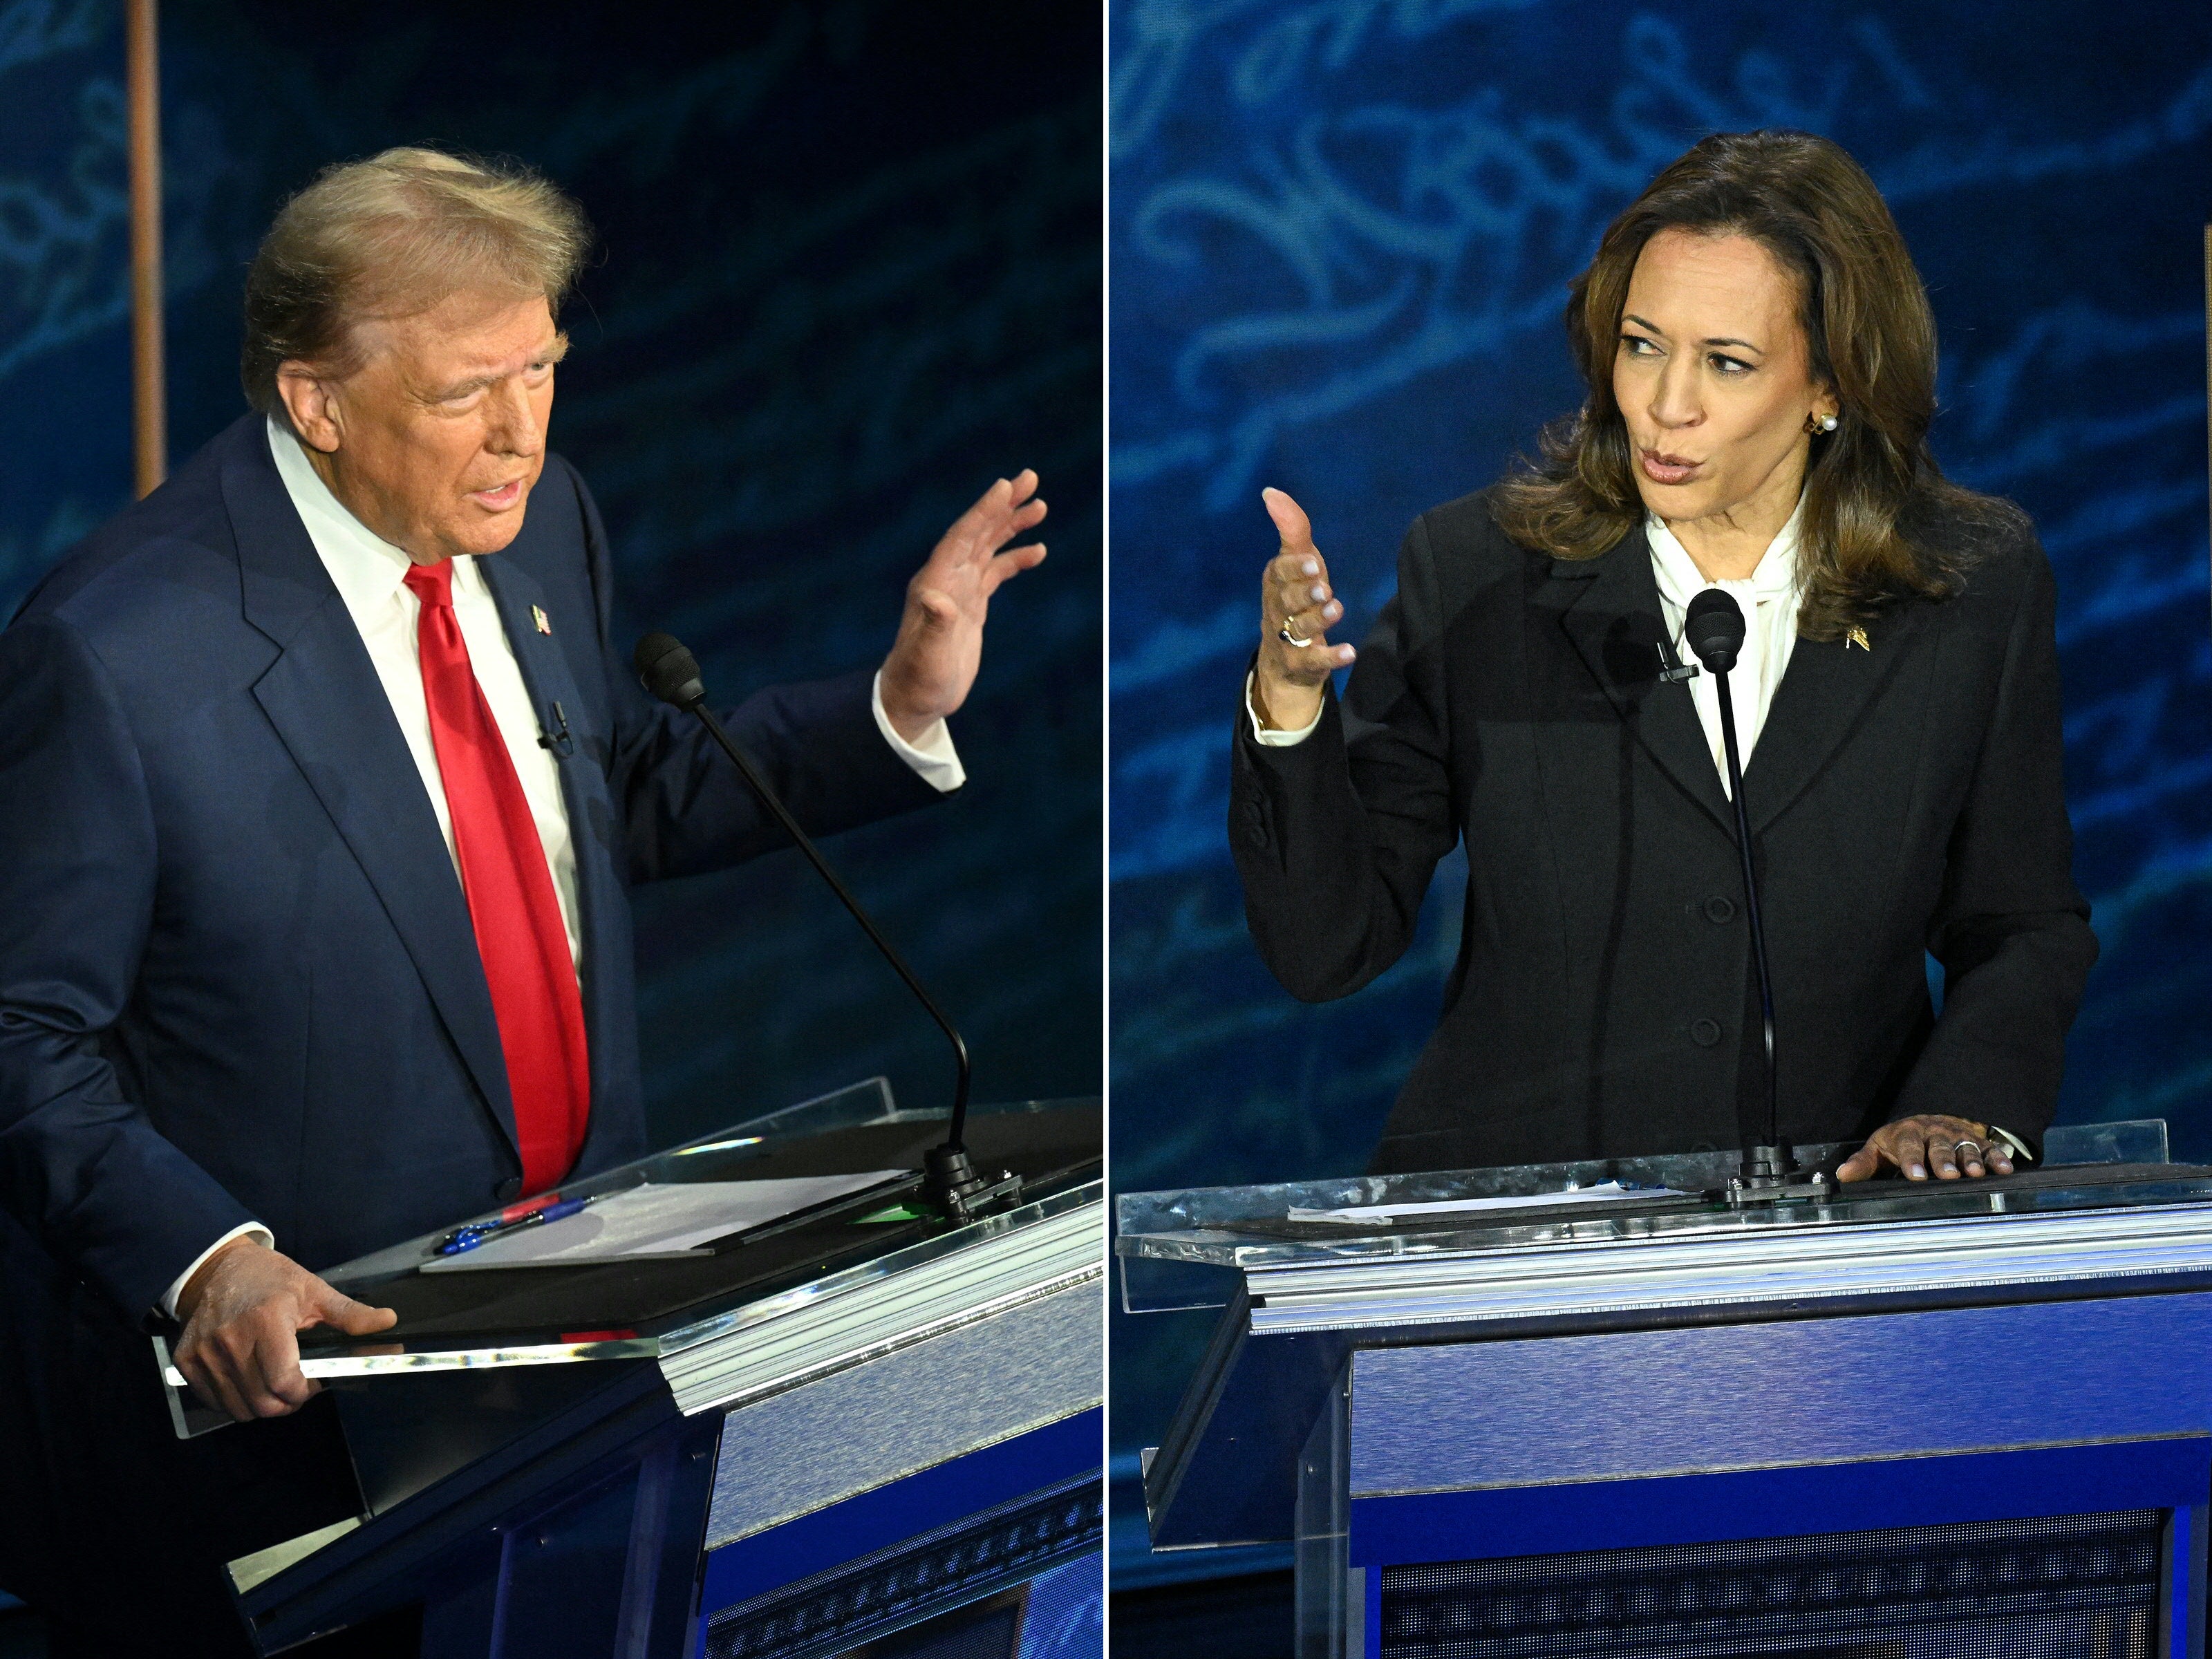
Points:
x=1340, y=232
x=850, y=273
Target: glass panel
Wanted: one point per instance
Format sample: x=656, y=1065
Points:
x=641, y=1307
x=1165, y=1238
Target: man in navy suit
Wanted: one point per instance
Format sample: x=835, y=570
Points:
x=321, y=788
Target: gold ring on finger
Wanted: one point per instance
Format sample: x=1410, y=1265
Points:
x=1290, y=639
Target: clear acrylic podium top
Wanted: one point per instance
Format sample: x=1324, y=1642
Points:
x=1172, y=1245
x=659, y=1308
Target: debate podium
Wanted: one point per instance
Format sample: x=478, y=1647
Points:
x=1891, y=1421
x=853, y=1430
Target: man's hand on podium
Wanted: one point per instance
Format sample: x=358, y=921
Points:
x=243, y=1313
x=1947, y=1147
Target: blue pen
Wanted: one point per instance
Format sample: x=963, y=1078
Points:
x=467, y=1238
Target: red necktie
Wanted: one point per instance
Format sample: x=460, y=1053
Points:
x=534, y=996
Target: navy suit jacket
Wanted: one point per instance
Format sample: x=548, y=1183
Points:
x=238, y=980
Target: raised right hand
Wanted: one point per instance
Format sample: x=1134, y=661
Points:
x=243, y=1313
x=1295, y=593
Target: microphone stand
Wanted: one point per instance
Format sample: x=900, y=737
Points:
x=1766, y=1165
x=950, y=1181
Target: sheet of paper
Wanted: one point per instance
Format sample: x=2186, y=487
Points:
x=658, y=1221
x=1451, y=1206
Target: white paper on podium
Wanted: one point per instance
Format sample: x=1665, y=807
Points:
x=1451, y=1206
x=658, y=1221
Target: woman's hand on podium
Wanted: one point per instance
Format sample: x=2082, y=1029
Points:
x=1948, y=1147
x=243, y=1313
x=1297, y=607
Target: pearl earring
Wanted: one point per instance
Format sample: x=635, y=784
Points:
x=1820, y=423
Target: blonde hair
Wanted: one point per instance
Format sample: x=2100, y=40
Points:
x=390, y=237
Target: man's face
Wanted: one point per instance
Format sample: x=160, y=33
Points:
x=436, y=440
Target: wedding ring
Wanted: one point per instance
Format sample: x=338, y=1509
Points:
x=1961, y=1145
x=1290, y=639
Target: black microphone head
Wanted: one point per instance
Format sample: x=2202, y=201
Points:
x=671, y=673
x=1713, y=629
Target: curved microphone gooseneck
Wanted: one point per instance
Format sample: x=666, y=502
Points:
x=1713, y=628
x=671, y=673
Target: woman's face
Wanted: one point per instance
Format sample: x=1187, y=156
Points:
x=1713, y=376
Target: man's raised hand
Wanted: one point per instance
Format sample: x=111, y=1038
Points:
x=932, y=663
x=243, y=1313
x=1297, y=600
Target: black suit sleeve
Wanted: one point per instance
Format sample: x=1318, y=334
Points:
x=686, y=809
x=2011, y=930
x=1335, y=839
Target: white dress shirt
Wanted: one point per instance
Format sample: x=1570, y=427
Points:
x=1769, y=598
x=369, y=573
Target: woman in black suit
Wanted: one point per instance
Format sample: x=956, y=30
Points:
x=1761, y=365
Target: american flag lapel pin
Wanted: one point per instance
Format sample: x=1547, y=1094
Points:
x=537, y=615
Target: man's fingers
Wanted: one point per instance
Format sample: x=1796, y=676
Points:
x=1292, y=525
x=1005, y=566
x=1860, y=1164
x=340, y=1312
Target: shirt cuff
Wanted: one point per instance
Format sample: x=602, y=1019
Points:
x=253, y=1229
x=933, y=759
x=1267, y=737
x=2020, y=1150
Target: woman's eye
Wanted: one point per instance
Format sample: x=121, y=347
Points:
x=1730, y=365
x=1637, y=346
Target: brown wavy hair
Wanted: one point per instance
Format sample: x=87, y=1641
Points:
x=1873, y=492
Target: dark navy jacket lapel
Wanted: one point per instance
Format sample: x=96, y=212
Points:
x=1615, y=620
x=323, y=696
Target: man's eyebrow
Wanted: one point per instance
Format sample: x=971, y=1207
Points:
x=553, y=353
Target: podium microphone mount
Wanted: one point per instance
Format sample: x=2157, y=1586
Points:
x=950, y=1184
x=1713, y=628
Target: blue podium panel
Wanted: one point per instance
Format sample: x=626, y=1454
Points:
x=1502, y=1421
x=999, y=1548
x=859, y=1429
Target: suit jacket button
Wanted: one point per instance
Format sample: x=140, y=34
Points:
x=1704, y=1032
x=1718, y=909
x=508, y=1190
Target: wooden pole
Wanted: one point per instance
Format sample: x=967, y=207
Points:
x=149, y=387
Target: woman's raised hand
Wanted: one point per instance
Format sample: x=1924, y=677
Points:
x=1296, y=606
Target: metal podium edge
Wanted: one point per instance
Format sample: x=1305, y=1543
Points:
x=1628, y=1275
x=1027, y=1264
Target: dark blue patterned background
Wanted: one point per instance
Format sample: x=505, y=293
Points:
x=1340, y=232
x=849, y=275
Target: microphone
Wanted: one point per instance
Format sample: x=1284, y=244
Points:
x=671, y=673
x=1713, y=628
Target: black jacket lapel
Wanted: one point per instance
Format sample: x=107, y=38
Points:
x=1615, y=620
x=1828, y=686
x=323, y=696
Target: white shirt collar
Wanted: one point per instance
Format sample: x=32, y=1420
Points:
x=1775, y=576
x=367, y=569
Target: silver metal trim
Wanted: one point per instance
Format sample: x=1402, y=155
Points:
x=814, y=1341
x=1628, y=1275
